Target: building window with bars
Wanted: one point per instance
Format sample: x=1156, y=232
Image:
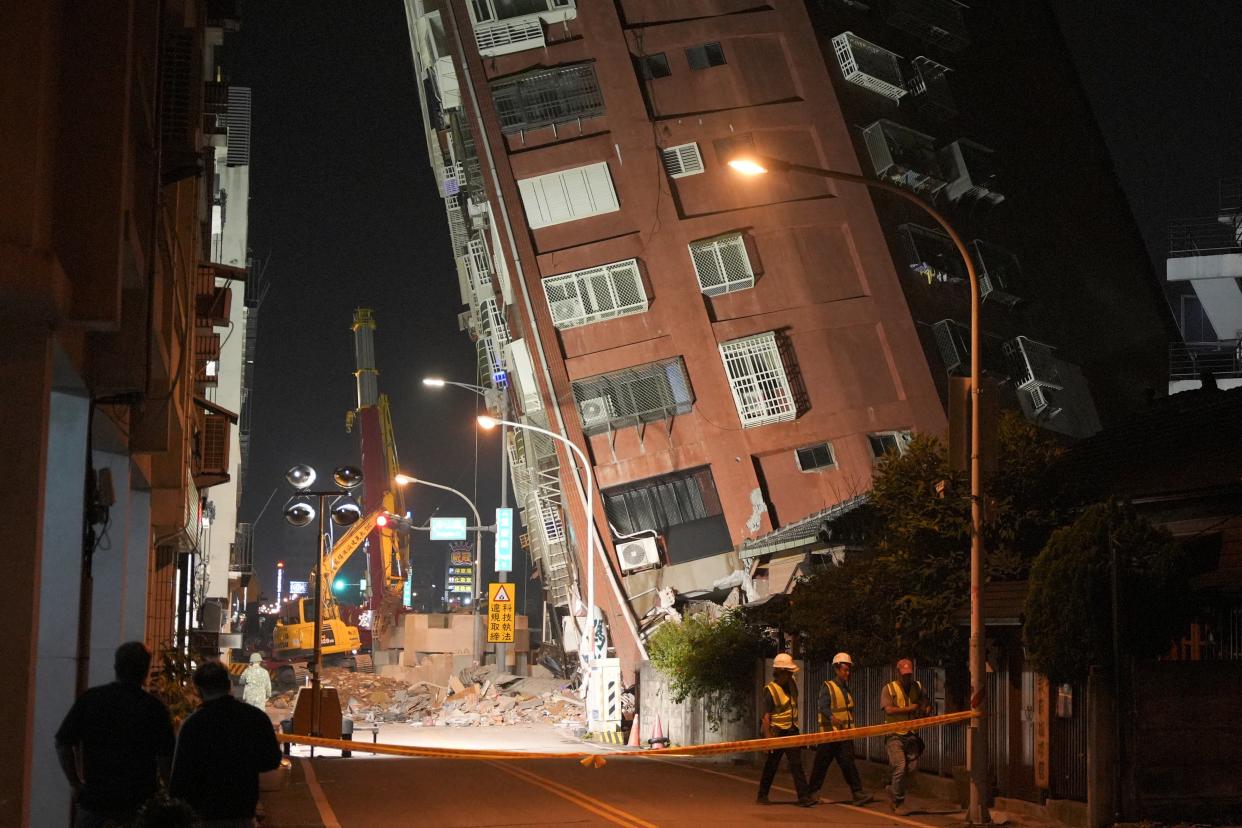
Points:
x=884, y=443
x=758, y=381
x=816, y=457
x=595, y=294
x=722, y=264
x=544, y=97
x=683, y=507
x=639, y=394
x=682, y=160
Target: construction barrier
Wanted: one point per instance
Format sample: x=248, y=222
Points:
x=590, y=759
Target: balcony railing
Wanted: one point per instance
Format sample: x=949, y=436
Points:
x=1032, y=364
x=1191, y=360
x=904, y=157
x=1202, y=236
x=870, y=66
x=240, y=555
x=969, y=169
x=939, y=22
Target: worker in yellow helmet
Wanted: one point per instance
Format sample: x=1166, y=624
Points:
x=780, y=718
x=903, y=699
x=836, y=712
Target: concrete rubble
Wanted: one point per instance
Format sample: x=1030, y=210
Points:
x=473, y=697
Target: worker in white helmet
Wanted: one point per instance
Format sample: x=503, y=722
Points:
x=256, y=683
x=836, y=712
x=780, y=718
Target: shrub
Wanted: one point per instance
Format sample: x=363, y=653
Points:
x=710, y=660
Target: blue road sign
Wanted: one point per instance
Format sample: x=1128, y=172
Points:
x=448, y=528
x=504, y=540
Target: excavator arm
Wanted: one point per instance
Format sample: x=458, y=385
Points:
x=345, y=547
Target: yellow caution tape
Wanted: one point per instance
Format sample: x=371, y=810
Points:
x=590, y=759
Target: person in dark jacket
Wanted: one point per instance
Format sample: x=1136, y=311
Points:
x=124, y=738
x=221, y=750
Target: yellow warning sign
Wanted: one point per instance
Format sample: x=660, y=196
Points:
x=501, y=615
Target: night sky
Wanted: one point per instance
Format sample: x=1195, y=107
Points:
x=344, y=213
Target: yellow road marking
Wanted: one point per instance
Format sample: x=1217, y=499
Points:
x=577, y=797
x=326, y=814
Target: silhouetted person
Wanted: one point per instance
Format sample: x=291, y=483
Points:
x=221, y=750
x=123, y=737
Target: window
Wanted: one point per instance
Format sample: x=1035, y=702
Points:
x=640, y=394
x=545, y=97
x=705, y=56
x=888, y=442
x=507, y=9
x=568, y=195
x=757, y=378
x=818, y=456
x=653, y=66
x=595, y=294
x=683, y=160
x=683, y=507
x=722, y=264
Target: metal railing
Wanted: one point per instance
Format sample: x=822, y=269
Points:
x=241, y=553
x=1191, y=360
x=1199, y=236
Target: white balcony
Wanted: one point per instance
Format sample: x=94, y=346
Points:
x=1000, y=275
x=870, y=66
x=904, y=157
x=503, y=37
x=1032, y=364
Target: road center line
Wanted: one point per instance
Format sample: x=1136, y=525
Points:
x=577, y=797
x=326, y=814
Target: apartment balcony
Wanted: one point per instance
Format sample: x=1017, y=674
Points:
x=206, y=358
x=1191, y=360
x=932, y=254
x=970, y=172
x=953, y=343
x=928, y=84
x=1000, y=275
x=479, y=266
x=1032, y=363
x=938, y=22
x=241, y=553
x=502, y=27
x=904, y=157
x=872, y=67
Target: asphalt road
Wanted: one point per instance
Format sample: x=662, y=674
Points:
x=357, y=792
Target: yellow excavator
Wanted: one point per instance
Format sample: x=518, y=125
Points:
x=292, y=640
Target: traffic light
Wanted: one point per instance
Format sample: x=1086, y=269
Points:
x=382, y=521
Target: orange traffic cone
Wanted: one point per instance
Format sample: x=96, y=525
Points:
x=635, y=739
x=657, y=736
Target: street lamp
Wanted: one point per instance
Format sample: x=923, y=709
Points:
x=299, y=511
x=407, y=480
x=489, y=396
x=749, y=164
x=490, y=423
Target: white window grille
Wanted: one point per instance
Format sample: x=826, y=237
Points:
x=889, y=442
x=479, y=262
x=640, y=394
x=451, y=180
x=870, y=66
x=546, y=97
x=595, y=294
x=683, y=160
x=722, y=264
x=568, y=195
x=757, y=379
x=506, y=36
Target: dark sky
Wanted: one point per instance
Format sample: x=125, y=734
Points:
x=344, y=213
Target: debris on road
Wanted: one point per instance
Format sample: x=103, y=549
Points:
x=474, y=697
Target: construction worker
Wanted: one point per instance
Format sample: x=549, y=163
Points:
x=257, y=684
x=903, y=699
x=780, y=718
x=836, y=712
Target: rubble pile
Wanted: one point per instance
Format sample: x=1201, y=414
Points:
x=474, y=697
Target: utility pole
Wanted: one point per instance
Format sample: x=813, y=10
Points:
x=502, y=650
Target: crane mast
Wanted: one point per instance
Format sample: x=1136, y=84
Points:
x=388, y=553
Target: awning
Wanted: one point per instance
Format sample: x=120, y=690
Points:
x=208, y=405
x=799, y=534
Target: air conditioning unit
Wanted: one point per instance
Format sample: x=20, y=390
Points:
x=567, y=311
x=638, y=553
x=596, y=411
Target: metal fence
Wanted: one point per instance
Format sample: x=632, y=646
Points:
x=1067, y=748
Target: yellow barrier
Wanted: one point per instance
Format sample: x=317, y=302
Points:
x=596, y=760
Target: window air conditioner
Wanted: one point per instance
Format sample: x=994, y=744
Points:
x=638, y=553
x=567, y=311
x=596, y=411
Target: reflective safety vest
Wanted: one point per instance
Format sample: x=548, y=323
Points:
x=784, y=716
x=842, y=706
x=900, y=699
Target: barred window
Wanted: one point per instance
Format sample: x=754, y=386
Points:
x=722, y=264
x=683, y=160
x=544, y=97
x=640, y=394
x=595, y=294
x=758, y=381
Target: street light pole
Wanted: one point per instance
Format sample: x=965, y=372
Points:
x=316, y=662
x=977, y=733
x=405, y=479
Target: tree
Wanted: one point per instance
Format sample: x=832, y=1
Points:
x=710, y=659
x=902, y=593
x=1069, y=606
